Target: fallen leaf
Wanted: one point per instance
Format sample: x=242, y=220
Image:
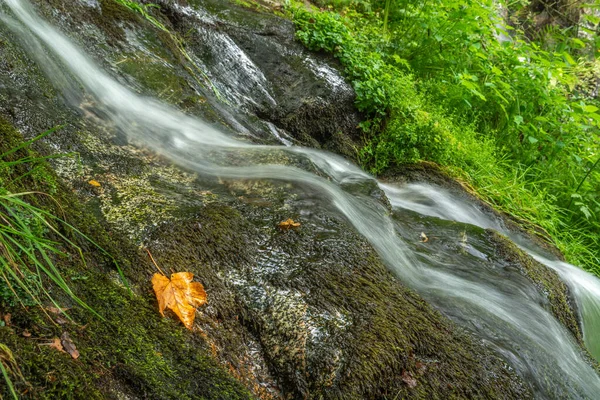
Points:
x=6, y=318
x=424, y=237
x=56, y=345
x=61, y=321
x=94, y=183
x=68, y=345
x=26, y=333
x=179, y=294
x=408, y=379
x=288, y=224
x=55, y=310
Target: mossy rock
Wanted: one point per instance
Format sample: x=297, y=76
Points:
x=129, y=350
x=308, y=313
x=331, y=320
x=546, y=280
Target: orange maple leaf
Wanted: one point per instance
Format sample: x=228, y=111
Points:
x=288, y=224
x=179, y=294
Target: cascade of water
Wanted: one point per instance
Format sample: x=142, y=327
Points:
x=437, y=202
x=507, y=313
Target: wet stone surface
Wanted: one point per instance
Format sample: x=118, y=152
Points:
x=305, y=313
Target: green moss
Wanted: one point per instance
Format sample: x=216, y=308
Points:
x=132, y=349
x=392, y=332
x=114, y=11
x=155, y=76
x=61, y=378
x=36, y=171
x=371, y=329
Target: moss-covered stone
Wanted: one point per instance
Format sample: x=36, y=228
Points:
x=546, y=280
x=310, y=313
x=129, y=349
x=331, y=320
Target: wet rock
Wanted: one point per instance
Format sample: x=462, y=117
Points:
x=331, y=319
x=308, y=313
x=258, y=66
x=547, y=281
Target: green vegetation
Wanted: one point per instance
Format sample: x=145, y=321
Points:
x=26, y=249
x=504, y=104
x=27, y=253
x=11, y=366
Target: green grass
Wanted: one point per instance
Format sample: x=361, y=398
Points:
x=8, y=366
x=31, y=238
x=436, y=85
x=32, y=243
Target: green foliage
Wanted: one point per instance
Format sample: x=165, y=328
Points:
x=9, y=366
x=451, y=82
x=31, y=239
x=144, y=11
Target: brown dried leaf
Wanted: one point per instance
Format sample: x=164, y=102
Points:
x=179, y=294
x=56, y=344
x=55, y=310
x=407, y=378
x=68, y=345
x=289, y=224
x=6, y=318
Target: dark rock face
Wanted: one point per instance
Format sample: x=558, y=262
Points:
x=332, y=322
x=305, y=313
x=255, y=62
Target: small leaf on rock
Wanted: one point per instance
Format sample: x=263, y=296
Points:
x=407, y=378
x=56, y=344
x=289, y=224
x=68, y=345
x=55, y=310
x=424, y=237
x=179, y=294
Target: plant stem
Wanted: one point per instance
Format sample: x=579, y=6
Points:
x=386, y=14
x=583, y=180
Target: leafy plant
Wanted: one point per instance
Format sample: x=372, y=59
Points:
x=504, y=108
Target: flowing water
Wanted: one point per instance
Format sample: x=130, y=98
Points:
x=501, y=307
x=436, y=202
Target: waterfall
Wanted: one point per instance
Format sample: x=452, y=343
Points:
x=505, y=312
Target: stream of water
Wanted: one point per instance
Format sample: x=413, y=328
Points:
x=504, y=310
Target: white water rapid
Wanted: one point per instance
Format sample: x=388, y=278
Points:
x=504, y=311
